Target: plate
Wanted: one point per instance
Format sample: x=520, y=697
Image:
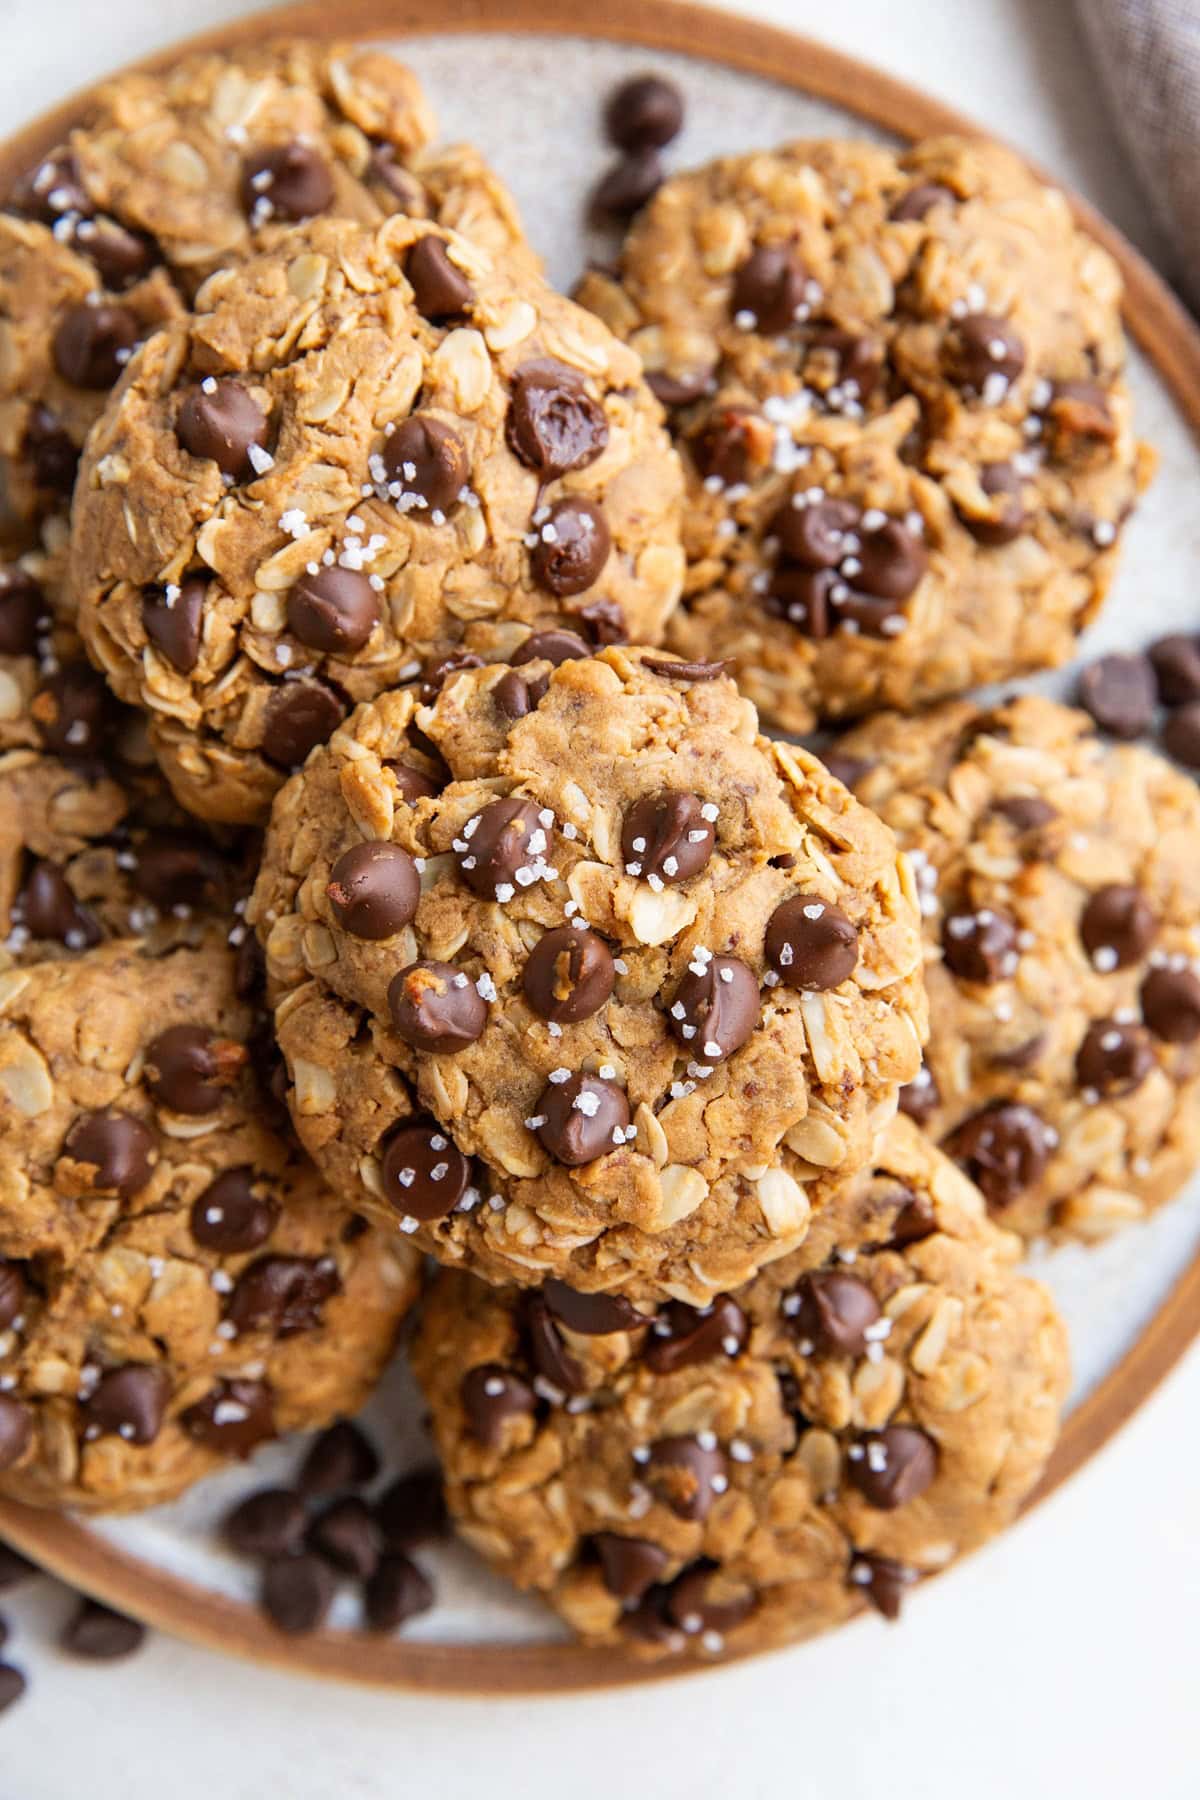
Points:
x=516, y=78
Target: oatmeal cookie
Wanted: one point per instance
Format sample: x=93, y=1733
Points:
x=376, y=450
x=896, y=379
x=617, y=946
x=754, y=1472
x=1060, y=882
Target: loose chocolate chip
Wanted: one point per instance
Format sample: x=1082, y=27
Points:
x=915, y=1221
x=396, y=1592
x=13, y=1292
x=893, y=1466
x=1113, y=1058
x=506, y=839
x=436, y=1007
x=1176, y=662
x=92, y=344
x=440, y=290
x=343, y=1456
x=733, y=443
x=118, y=1150
x=694, y=1607
x=14, y=1568
x=1171, y=1005
x=629, y=1565
x=52, y=190
x=1000, y=481
x=72, y=711
x=51, y=452
x=282, y=1294
x=100, y=1634
x=297, y=1592
x=675, y=669
x=920, y=1098
x=334, y=611
x=289, y=181
x=48, y=909
x=834, y=1312
x=221, y=422
x=919, y=201
x=437, y=673
x=547, y=1352
x=628, y=185
x=666, y=837
x=424, y=1174
x=12, y=1686
x=814, y=535
x=1181, y=735
x=190, y=1069
x=1120, y=693
x=769, y=289
x=22, y=611
x=271, y=1522
x=687, y=1473
x=427, y=466
x=883, y=1581
x=569, y=974
x=980, y=946
x=592, y=1315
x=1026, y=812
x=129, y=1403
x=892, y=561
x=605, y=622
x=984, y=350
x=583, y=1118
x=120, y=257
x=175, y=871
x=374, y=889
x=346, y=1535
x=300, y=715
x=413, y=784
x=553, y=425
x=645, y=111
x=684, y=1335
x=1118, y=926
x=173, y=620
x=491, y=1396
x=552, y=646
x=1004, y=1149
x=230, y=1217
x=16, y=1435
x=714, y=1012
x=811, y=944
x=573, y=545
x=412, y=1510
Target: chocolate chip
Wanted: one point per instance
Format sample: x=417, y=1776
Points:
x=1181, y=735
x=50, y=452
x=176, y=871
x=849, y=770
x=1026, y=812
x=230, y=1217
x=814, y=535
x=1171, y=1005
x=1078, y=419
x=118, y=1151
x=802, y=597
x=300, y=715
x=859, y=359
x=233, y=1418
x=374, y=889
x=334, y=611
x=834, y=1312
x=297, y=1592
x=412, y=1510
x=440, y=290
x=583, y=1118
x=129, y=1403
x=413, y=784
x=513, y=698
x=811, y=944
x=12, y=1686
x=346, y=1535
x=385, y=169
x=592, y=1315
x=14, y=1568
x=1113, y=1058
x=1118, y=926
x=666, y=837
x=173, y=620
x=506, y=838
x=694, y=1607
x=1007, y=521
x=883, y=1581
x=100, y=1634
x=920, y=1098
x=72, y=711
x=714, y=1012
x=282, y=1294
x=436, y=674
x=289, y=181
x=23, y=610
x=437, y=1008
x=92, y=344
x=191, y=1069
x=646, y=110
x=731, y=446
x=13, y=1292
x=984, y=350
x=629, y=1565
x=915, y=1221
x=893, y=1466
x=573, y=545
x=605, y=622
x=892, y=561
x=424, y=1174
x=687, y=1473
x=51, y=190
x=48, y=909
x=672, y=669
x=919, y=201
x=1176, y=663
x=628, y=185
x=16, y=1435
x=1120, y=693
x=427, y=466
x=221, y=422
x=491, y=1396
x=343, y=1456
x=396, y=1592
x=769, y=289
x=553, y=425
x=547, y=1352
x=554, y=646
x=4, y=1631
x=980, y=946
x=569, y=974
x=121, y=257
x=648, y=1622
x=271, y=1522
x=1004, y=1149
x=683, y=1335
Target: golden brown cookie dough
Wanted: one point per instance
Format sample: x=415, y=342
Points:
x=1060, y=882
x=176, y=1284
x=430, y=456
x=735, y=1478
x=620, y=949
x=897, y=383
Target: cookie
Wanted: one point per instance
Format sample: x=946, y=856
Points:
x=1060, y=882
x=897, y=383
x=702, y=1482
x=368, y=453
x=558, y=1002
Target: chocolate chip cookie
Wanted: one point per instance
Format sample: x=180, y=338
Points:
x=896, y=380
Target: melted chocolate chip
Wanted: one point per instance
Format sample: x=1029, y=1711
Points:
x=1121, y=694
x=666, y=838
x=129, y=1403
x=732, y=445
x=51, y=453
x=811, y=944
x=121, y=257
x=883, y=1581
x=175, y=871
x=984, y=349
x=915, y=1221
x=334, y=611
x=859, y=359
x=628, y=1565
x=440, y=290
x=692, y=1604
x=573, y=545
x=220, y=421
x=687, y=1473
x=289, y=181
x=173, y=620
x=1171, y=1005
x=23, y=610
x=436, y=674
x=683, y=1335
x=52, y=190
x=297, y=1592
x=1000, y=481
x=437, y=1008
x=271, y=1522
x=675, y=669
x=16, y=1431
x=1118, y=926
x=491, y=1396
x=515, y=698
x=834, y=1312
x=48, y=909
x=714, y=1012
x=893, y=1466
x=569, y=975
x=300, y=715
x=555, y=646
x=92, y=344
x=72, y=711
x=282, y=1294
x=769, y=289
x=343, y=1456
x=980, y=946
x=505, y=839
x=428, y=461
x=920, y=1098
x=920, y=200
x=1004, y=1149
x=814, y=535
x=1026, y=812
x=583, y=1118
x=374, y=890
x=605, y=622
x=13, y=1292
x=892, y=561
x=547, y=1351
x=804, y=598
x=118, y=1151
x=1113, y=1058
x=231, y=1216
x=424, y=1174
x=413, y=784
x=592, y=1315
x=396, y=1592
x=191, y=1069
x=553, y=424
x=646, y=111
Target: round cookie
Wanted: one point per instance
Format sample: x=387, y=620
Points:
x=896, y=380
x=417, y=454
x=726, y=1480
x=618, y=947
x=1060, y=882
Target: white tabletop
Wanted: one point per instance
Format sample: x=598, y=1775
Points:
x=1063, y=1659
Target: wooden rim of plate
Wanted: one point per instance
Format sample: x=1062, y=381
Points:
x=64, y=1545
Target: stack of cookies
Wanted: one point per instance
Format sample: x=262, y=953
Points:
x=394, y=865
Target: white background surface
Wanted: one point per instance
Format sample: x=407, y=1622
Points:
x=1063, y=1660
